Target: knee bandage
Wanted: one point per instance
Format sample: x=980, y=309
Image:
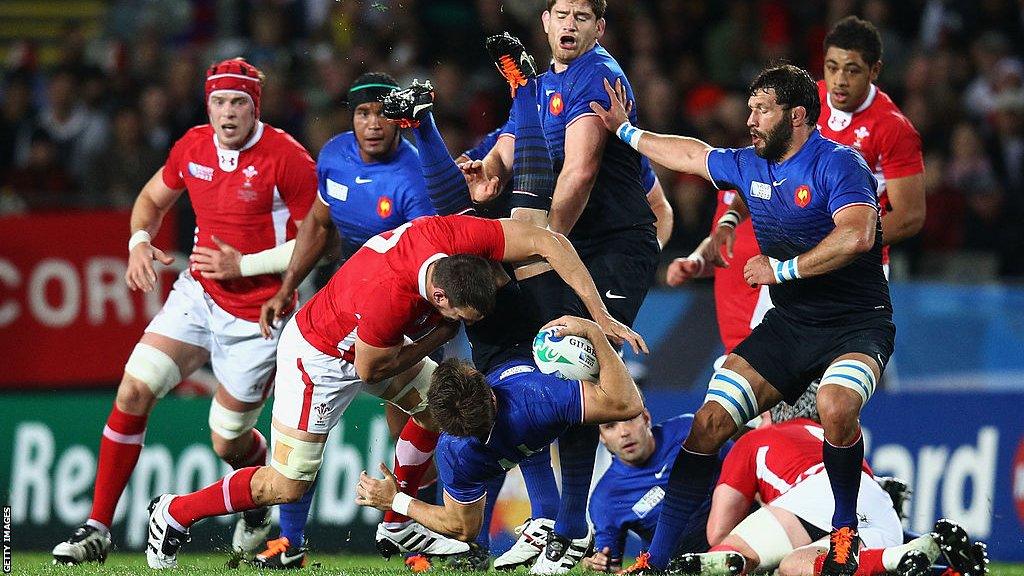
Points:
x=733, y=393
x=229, y=424
x=154, y=367
x=765, y=535
x=852, y=374
x=296, y=459
x=421, y=383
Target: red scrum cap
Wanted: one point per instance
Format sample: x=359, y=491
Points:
x=235, y=75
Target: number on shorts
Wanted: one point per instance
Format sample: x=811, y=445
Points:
x=380, y=244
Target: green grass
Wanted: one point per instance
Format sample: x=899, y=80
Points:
x=32, y=563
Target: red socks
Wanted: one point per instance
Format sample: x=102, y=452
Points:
x=413, y=454
x=119, y=452
x=257, y=455
x=232, y=493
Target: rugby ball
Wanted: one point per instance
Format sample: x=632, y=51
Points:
x=569, y=357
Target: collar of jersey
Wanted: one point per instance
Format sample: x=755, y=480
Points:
x=359, y=158
x=256, y=135
x=585, y=56
x=872, y=92
x=422, y=276
x=815, y=135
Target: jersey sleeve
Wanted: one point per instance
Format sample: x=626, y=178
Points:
x=297, y=179
x=473, y=235
x=382, y=319
x=608, y=533
x=647, y=172
x=452, y=473
x=848, y=181
x=739, y=469
x=724, y=168
x=172, y=174
x=900, y=147
x=589, y=88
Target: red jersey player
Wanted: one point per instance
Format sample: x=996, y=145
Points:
x=352, y=336
x=250, y=184
x=855, y=112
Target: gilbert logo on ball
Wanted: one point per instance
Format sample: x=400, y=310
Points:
x=569, y=357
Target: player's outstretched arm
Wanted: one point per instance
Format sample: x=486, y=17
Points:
x=854, y=234
x=153, y=202
x=460, y=521
x=525, y=241
x=374, y=365
x=614, y=396
x=311, y=239
x=680, y=153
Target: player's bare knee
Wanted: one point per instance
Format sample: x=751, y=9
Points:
x=134, y=396
x=712, y=426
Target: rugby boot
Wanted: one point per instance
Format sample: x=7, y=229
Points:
x=913, y=563
x=281, y=555
x=512, y=60
x=708, y=564
x=164, y=540
x=843, y=553
x=561, y=554
x=415, y=537
x=407, y=107
x=533, y=536
x=251, y=531
x=966, y=558
x=86, y=544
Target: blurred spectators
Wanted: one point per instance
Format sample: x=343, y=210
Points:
x=121, y=90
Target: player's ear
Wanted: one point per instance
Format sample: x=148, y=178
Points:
x=545, y=18
x=439, y=297
x=600, y=28
x=876, y=69
x=798, y=115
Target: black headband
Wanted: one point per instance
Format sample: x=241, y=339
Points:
x=374, y=92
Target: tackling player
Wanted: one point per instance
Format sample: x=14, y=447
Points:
x=250, y=184
x=369, y=182
x=350, y=337
x=815, y=215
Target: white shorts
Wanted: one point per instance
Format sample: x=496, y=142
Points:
x=813, y=501
x=243, y=361
x=313, y=389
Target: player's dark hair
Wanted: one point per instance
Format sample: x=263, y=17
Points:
x=460, y=400
x=598, y=6
x=852, y=33
x=793, y=87
x=370, y=87
x=467, y=280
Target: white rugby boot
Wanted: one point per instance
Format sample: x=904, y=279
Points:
x=561, y=554
x=415, y=537
x=86, y=544
x=164, y=540
x=251, y=530
x=533, y=536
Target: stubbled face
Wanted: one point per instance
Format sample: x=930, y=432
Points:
x=375, y=135
x=631, y=440
x=848, y=78
x=572, y=29
x=465, y=314
x=770, y=125
x=233, y=118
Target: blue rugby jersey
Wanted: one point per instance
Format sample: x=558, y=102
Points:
x=366, y=199
x=618, y=200
x=792, y=204
x=533, y=410
x=630, y=497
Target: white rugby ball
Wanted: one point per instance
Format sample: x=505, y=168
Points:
x=569, y=357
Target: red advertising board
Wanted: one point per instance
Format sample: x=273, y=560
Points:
x=67, y=318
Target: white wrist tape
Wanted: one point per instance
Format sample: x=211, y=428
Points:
x=629, y=134
x=731, y=218
x=784, y=270
x=137, y=238
x=400, y=503
x=270, y=261
x=696, y=257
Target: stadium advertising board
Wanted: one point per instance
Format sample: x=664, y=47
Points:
x=64, y=305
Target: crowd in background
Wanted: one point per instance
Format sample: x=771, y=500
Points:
x=89, y=131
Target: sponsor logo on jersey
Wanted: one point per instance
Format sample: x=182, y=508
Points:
x=227, y=160
x=838, y=120
x=802, y=195
x=384, y=207
x=521, y=369
x=761, y=190
x=250, y=172
x=337, y=190
x=200, y=171
x=644, y=505
x=556, y=105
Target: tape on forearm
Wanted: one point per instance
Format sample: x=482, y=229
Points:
x=629, y=134
x=270, y=261
x=784, y=270
x=400, y=503
x=137, y=238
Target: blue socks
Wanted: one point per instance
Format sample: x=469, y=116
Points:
x=844, y=467
x=689, y=485
x=446, y=186
x=533, y=178
x=577, y=448
x=540, y=485
x=294, y=516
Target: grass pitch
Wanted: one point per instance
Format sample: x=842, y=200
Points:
x=125, y=564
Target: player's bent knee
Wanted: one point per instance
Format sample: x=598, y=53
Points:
x=295, y=459
x=853, y=375
x=766, y=537
x=733, y=392
x=421, y=384
x=153, y=367
x=230, y=424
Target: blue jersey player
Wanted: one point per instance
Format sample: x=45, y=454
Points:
x=492, y=423
x=368, y=182
x=815, y=216
x=629, y=495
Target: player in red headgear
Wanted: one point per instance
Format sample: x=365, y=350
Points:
x=250, y=185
